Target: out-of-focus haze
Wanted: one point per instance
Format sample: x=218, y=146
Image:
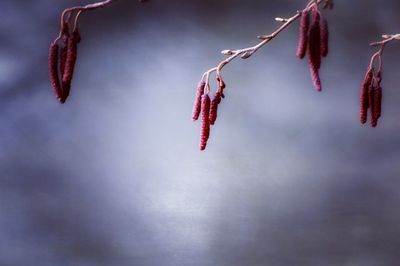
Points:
x=115, y=177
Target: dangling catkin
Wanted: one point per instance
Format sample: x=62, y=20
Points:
x=314, y=46
x=64, y=48
x=70, y=62
x=371, y=101
x=377, y=104
x=205, y=121
x=71, y=57
x=314, y=52
x=197, y=101
x=364, y=97
x=214, y=108
x=303, y=31
x=53, y=70
x=324, y=36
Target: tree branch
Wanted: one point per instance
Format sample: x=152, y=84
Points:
x=371, y=90
x=249, y=51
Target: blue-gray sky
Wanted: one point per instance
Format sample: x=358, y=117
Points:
x=115, y=177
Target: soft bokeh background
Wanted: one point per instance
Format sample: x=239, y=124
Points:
x=115, y=177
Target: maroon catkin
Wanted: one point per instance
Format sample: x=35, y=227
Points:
x=372, y=107
x=71, y=57
x=377, y=106
x=314, y=52
x=214, y=108
x=53, y=70
x=64, y=48
x=364, y=97
x=324, y=36
x=205, y=121
x=314, y=47
x=303, y=31
x=72, y=50
x=197, y=101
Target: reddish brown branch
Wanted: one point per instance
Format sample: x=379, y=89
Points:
x=245, y=53
x=371, y=90
x=62, y=60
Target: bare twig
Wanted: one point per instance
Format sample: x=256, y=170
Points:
x=249, y=51
x=79, y=10
x=381, y=44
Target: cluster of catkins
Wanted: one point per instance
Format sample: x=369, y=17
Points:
x=207, y=108
x=62, y=58
x=371, y=96
x=313, y=39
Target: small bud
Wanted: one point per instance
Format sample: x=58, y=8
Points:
x=281, y=19
x=227, y=52
x=246, y=55
x=221, y=84
x=264, y=37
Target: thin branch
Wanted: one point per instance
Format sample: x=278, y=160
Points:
x=386, y=38
x=315, y=39
x=381, y=44
x=249, y=51
x=80, y=9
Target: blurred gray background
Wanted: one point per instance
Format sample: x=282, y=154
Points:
x=115, y=177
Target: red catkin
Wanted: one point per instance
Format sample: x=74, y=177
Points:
x=53, y=70
x=364, y=97
x=70, y=62
x=214, y=108
x=64, y=48
x=314, y=47
x=324, y=36
x=205, y=121
x=377, y=105
x=197, y=101
x=303, y=31
x=372, y=107
x=314, y=52
x=71, y=57
x=378, y=96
